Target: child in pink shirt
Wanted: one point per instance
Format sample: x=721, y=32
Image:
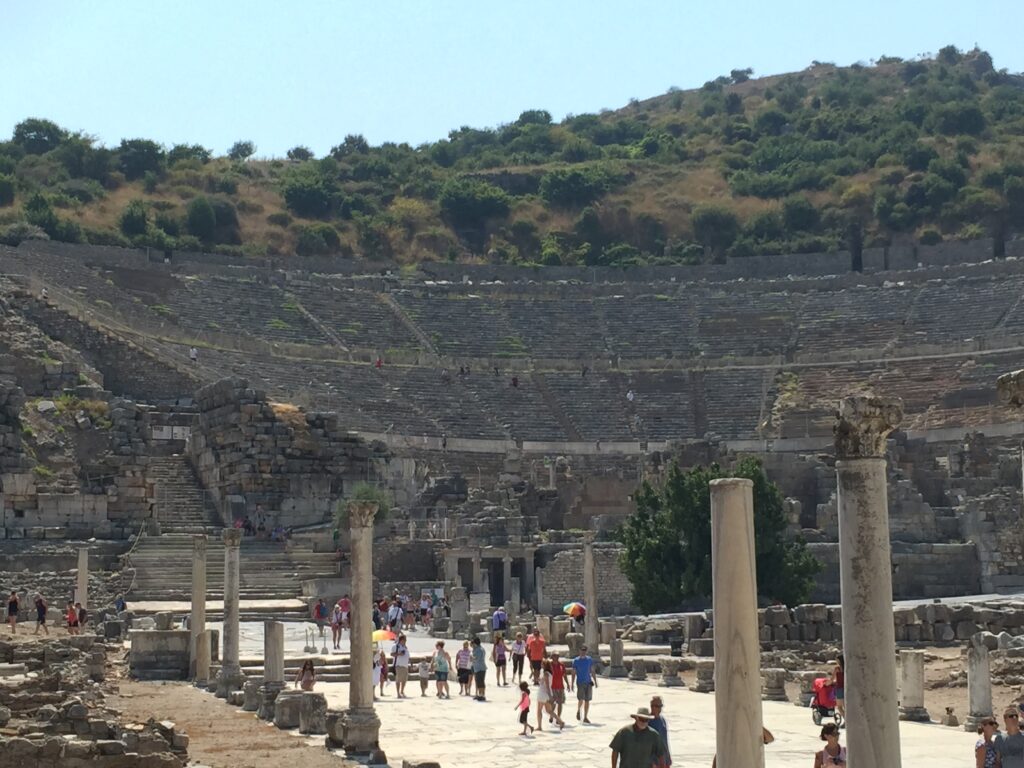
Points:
x=524, y=707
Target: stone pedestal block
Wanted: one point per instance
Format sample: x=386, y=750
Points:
x=912, y=687
x=670, y=672
x=287, y=707
x=361, y=732
x=313, y=713
x=773, y=685
x=705, y=676
x=251, y=694
x=574, y=640
x=979, y=684
x=617, y=668
x=268, y=699
x=638, y=670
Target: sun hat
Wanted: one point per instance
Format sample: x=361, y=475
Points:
x=643, y=713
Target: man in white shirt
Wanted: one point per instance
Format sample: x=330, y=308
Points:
x=400, y=652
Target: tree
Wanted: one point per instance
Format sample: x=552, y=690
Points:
x=137, y=156
x=468, y=203
x=300, y=153
x=6, y=190
x=182, y=152
x=201, y=219
x=354, y=144
x=241, y=150
x=667, y=541
x=309, y=192
x=715, y=227
x=133, y=219
x=741, y=75
x=37, y=136
x=799, y=214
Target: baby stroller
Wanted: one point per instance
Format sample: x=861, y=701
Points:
x=824, y=702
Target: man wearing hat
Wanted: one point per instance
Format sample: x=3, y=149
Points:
x=659, y=726
x=636, y=745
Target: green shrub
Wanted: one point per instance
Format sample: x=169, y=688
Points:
x=6, y=190
x=134, y=218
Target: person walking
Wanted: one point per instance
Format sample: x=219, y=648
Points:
x=582, y=667
x=380, y=671
x=345, y=604
x=535, y=650
x=659, y=726
x=499, y=655
x=442, y=664
x=41, y=608
x=12, y=611
x=1011, y=745
x=400, y=654
x=985, y=753
x=832, y=753
x=464, y=668
x=636, y=745
x=336, y=622
x=524, y=707
x=71, y=614
x=499, y=623
x=306, y=677
x=839, y=681
x=557, y=686
x=518, y=656
x=479, y=670
x=545, y=698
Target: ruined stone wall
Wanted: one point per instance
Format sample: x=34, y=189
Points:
x=406, y=560
x=992, y=522
x=561, y=581
x=296, y=464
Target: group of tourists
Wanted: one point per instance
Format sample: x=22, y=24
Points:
x=998, y=750
x=75, y=614
x=403, y=613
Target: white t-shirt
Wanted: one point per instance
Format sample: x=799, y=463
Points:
x=401, y=654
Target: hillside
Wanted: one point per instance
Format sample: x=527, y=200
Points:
x=907, y=151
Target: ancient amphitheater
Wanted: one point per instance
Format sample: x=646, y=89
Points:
x=148, y=397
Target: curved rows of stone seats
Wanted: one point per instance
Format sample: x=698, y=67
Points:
x=449, y=402
x=360, y=319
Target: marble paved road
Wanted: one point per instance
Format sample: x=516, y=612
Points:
x=462, y=733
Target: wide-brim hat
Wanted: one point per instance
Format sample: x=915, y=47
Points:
x=643, y=713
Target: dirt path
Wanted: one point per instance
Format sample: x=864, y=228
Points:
x=221, y=736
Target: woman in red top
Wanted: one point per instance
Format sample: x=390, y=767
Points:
x=72, y=616
x=839, y=680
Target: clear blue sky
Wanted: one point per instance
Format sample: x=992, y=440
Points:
x=309, y=72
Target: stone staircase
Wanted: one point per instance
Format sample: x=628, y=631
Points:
x=182, y=505
x=268, y=570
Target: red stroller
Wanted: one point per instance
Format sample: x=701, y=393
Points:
x=824, y=702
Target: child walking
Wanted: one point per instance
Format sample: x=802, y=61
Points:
x=524, y=708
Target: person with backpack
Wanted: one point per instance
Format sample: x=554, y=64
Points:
x=499, y=623
x=40, y=615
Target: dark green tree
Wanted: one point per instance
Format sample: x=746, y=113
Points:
x=201, y=219
x=6, y=190
x=667, y=541
x=300, y=153
x=468, y=203
x=136, y=156
x=242, y=150
x=715, y=227
x=134, y=219
x=182, y=152
x=38, y=136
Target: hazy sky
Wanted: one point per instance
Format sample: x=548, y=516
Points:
x=305, y=72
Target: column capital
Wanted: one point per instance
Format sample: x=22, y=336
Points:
x=863, y=422
x=1010, y=387
x=232, y=537
x=362, y=513
x=506, y=559
x=199, y=543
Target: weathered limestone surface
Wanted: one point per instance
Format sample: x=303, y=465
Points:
x=230, y=677
x=979, y=683
x=361, y=724
x=912, y=687
x=197, y=624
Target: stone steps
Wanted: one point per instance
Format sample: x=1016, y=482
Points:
x=182, y=504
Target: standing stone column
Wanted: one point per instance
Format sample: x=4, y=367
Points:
x=197, y=624
x=203, y=654
x=478, y=578
x=82, y=583
x=912, y=687
x=865, y=578
x=273, y=668
x=230, y=677
x=361, y=725
x=737, y=668
x=528, y=579
x=506, y=579
x=979, y=684
x=591, y=624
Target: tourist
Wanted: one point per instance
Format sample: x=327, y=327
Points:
x=839, y=680
x=659, y=726
x=394, y=615
x=636, y=745
x=425, y=607
x=12, y=611
x=400, y=654
x=499, y=622
x=40, y=615
x=378, y=364
x=985, y=753
x=423, y=670
x=524, y=707
x=582, y=668
x=120, y=605
x=479, y=670
x=515, y=382
x=72, y=618
x=518, y=656
x=336, y=627
x=557, y=686
x=306, y=677
x=193, y=355
x=82, y=617
x=499, y=655
x=446, y=607
x=320, y=615
x=535, y=647
x=376, y=616
x=1011, y=746
x=248, y=527
x=464, y=668
x=380, y=671
x=545, y=702
x=442, y=664
x=345, y=604
x=411, y=610
x=832, y=753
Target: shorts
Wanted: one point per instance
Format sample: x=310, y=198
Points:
x=423, y=683
x=500, y=663
x=840, y=694
x=41, y=620
x=463, y=676
x=73, y=624
x=441, y=677
x=535, y=664
x=401, y=674
x=344, y=615
x=423, y=611
x=584, y=691
x=558, y=695
x=524, y=714
x=479, y=678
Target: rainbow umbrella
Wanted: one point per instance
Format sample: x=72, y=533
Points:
x=380, y=635
x=574, y=609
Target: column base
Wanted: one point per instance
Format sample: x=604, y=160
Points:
x=672, y=682
x=775, y=696
x=617, y=672
x=229, y=678
x=973, y=721
x=915, y=714
x=360, y=731
x=268, y=695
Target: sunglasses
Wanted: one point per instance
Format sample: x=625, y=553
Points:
x=1009, y=717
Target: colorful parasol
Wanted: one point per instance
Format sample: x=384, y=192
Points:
x=383, y=634
x=574, y=609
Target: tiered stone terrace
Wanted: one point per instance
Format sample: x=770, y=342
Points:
x=743, y=359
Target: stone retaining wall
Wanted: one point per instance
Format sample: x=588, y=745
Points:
x=561, y=581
